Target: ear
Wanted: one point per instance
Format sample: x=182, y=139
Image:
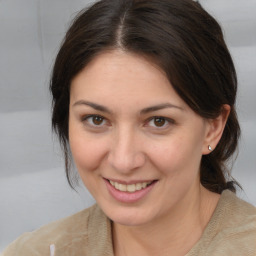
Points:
x=215, y=128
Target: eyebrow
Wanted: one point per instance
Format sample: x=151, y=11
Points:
x=143, y=111
x=92, y=105
x=159, y=107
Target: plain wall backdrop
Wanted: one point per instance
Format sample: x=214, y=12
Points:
x=33, y=188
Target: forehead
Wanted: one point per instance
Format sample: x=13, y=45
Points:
x=119, y=76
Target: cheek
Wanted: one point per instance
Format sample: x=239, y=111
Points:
x=177, y=156
x=87, y=152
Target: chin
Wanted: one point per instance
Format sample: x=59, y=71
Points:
x=129, y=220
x=128, y=216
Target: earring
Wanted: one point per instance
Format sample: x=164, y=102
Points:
x=209, y=147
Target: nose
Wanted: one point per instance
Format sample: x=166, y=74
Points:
x=126, y=152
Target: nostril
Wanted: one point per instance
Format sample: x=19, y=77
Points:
x=125, y=156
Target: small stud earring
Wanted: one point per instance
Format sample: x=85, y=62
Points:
x=209, y=147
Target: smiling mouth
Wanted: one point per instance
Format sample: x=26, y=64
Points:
x=131, y=187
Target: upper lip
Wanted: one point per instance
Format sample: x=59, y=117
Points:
x=129, y=182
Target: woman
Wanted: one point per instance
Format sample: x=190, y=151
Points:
x=144, y=99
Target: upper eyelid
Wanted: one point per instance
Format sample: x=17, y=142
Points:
x=149, y=118
x=85, y=117
x=92, y=115
x=170, y=120
x=163, y=117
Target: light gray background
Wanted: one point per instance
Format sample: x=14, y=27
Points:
x=33, y=188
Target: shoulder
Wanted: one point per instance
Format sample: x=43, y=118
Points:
x=62, y=233
x=236, y=227
x=231, y=230
x=235, y=214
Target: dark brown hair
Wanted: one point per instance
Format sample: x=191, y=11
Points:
x=183, y=39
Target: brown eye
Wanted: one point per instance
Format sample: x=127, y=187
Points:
x=94, y=120
x=97, y=120
x=159, y=122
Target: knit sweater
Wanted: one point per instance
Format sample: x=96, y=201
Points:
x=230, y=231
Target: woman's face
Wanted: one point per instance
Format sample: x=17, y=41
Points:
x=136, y=144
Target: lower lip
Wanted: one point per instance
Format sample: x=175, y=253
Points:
x=128, y=197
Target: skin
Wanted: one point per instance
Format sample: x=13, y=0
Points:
x=127, y=144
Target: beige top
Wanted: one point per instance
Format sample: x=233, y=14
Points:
x=231, y=231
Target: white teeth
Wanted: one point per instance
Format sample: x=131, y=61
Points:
x=131, y=187
x=138, y=186
x=122, y=187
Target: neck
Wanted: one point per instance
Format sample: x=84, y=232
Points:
x=174, y=234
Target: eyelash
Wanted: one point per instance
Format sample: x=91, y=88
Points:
x=167, y=121
x=87, y=117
